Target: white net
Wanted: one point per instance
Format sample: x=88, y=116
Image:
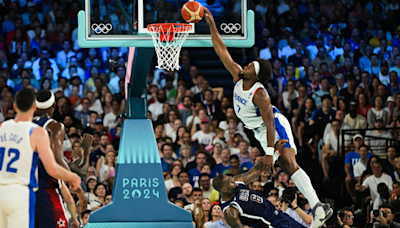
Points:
x=168, y=39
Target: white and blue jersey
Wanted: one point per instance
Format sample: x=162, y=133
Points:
x=257, y=211
x=250, y=115
x=18, y=161
x=18, y=175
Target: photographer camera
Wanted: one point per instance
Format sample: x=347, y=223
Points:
x=345, y=218
x=383, y=218
x=296, y=206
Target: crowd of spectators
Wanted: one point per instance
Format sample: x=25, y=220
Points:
x=335, y=67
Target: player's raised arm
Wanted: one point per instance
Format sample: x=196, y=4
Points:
x=40, y=142
x=231, y=216
x=220, y=48
x=263, y=102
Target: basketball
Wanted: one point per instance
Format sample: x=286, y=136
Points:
x=192, y=12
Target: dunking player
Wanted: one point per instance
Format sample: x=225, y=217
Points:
x=49, y=208
x=242, y=205
x=253, y=106
x=22, y=143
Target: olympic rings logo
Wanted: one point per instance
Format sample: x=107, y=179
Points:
x=102, y=28
x=230, y=28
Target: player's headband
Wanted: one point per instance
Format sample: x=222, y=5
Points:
x=256, y=67
x=46, y=104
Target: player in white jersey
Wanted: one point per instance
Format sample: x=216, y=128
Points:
x=253, y=106
x=22, y=143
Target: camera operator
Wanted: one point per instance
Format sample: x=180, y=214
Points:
x=345, y=218
x=299, y=211
x=383, y=218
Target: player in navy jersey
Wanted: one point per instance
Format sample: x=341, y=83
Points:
x=244, y=206
x=50, y=210
x=253, y=106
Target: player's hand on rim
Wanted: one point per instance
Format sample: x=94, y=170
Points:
x=208, y=15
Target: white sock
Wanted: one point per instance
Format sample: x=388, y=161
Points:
x=303, y=183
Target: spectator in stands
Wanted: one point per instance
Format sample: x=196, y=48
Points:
x=225, y=162
x=218, y=220
x=110, y=119
x=156, y=108
x=378, y=138
x=187, y=111
x=243, y=155
x=330, y=148
x=85, y=217
x=376, y=112
x=363, y=103
x=315, y=83
x=390, y=109
x=173, y=182
x=372, y=181
x=167, y=159
x=235, y=167
x=197, y=194
x=204, y=136
x=383, y=198
x=100, y=192
x=84, y=115
x=107, y=169
x=386, y=220
x=321, y=92
x=205, y=184
x=353, y=119
x=93, y=120
x=361, y=165
x=204, y=212
x=320, y=118
x=297, y=58
x=64, y=56
x=195, y=172
x=347, y=220
x=96, y=154
x=254, y=152
x=187, y=191
x=396, y=174
x=389, y=163
x=321, y=57
x=348, y=92
x=176, y=193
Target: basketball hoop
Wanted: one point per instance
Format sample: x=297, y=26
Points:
x=168, y=39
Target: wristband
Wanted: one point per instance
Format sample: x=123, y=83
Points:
x=295, y=207
x=270, y=151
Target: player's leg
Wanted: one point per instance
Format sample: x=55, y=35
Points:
x=49, y=209
x=20, y=212
x=288, y=161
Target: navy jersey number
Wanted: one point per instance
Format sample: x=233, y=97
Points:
x=13, y=154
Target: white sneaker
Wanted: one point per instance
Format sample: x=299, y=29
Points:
x=321, y=212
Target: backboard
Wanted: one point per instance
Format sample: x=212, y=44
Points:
x=103, y=24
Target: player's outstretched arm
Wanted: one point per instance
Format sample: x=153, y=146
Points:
x=220, y=48
x=40, y=142
x=57, y=138
x=231, y=215
x=249, y=176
